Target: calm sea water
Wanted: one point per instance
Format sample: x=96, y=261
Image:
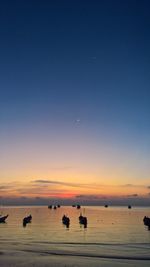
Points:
x=112, y=233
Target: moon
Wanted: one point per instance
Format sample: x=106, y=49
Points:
x=77, y=120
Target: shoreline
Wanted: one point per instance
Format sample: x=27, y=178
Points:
x=24, y=259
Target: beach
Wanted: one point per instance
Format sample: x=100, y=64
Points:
x=44, y=258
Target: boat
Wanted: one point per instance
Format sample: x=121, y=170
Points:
x=50, y=207
x=146, y=221
x=129, y=207
x=27, y=219
x=66, y=220
x=55, y=207
x=83, y=220
x=3, y=218
x=106, y=206
x=58, y=206
x=78, y=207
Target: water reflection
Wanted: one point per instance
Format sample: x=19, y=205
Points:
x=113, y=225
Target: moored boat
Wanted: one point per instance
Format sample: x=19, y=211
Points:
x=83, y=220
x=3, y=218
x=27, y=219
x=146, y=221
x=66, y=220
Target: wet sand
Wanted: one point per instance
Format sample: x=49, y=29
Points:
x=23, y=259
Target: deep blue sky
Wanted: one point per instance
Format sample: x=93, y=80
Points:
x=70, y=54
x=62, y=61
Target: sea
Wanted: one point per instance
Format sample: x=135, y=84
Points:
x=114, y=236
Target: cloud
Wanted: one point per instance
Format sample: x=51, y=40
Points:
x=43, y=181
x=82, y=185
x=6, y=187
x=87, y=196
x=3, y=187
x=132, y=195
x=23, y=198
x=134, y=185
x=40, y=190
x=90, y=197
x=38, y=198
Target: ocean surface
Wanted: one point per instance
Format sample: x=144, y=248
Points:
x=115, y=236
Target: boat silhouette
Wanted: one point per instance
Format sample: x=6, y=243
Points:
x=66, y=220
x=146, y=221
x=27, y=219
x=3, y=218
x=83, y=220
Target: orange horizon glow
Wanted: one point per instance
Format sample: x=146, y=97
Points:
x=69, y=190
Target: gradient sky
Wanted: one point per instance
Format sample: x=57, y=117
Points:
x=75, y=101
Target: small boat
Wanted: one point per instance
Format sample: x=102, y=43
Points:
x=83, y=220
x=55, y=207
x=58, y=206
x=66, y=220
x=146, y=221
x=50, y=207
x=73, y=206
x=129, y=206
x=27, y=219
x=106, y=206
x=78, y=207
x=3, y=218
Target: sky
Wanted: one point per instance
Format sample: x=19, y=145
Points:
x=74, y=102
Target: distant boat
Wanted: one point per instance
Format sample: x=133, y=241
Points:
x=3, y=218
x=78, y=206
x=66, y=220
x=129, y=207
x=106, y=206
x=58, y=206
x=27, y=219
x=83, y=220
x=50, y=207
x=146, y=221
x=55, y=207
x=73, y=206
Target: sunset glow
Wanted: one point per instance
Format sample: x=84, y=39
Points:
x=74, y=104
